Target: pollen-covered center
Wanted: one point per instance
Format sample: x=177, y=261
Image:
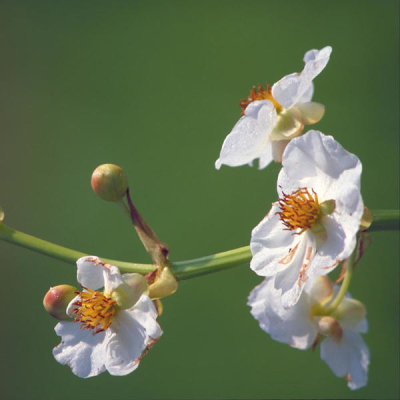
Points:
x=258, y=93
x=94, y=310
x=299, y=210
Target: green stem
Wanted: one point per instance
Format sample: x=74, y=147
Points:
x=216, y=262
x=62, y=253
x=383, y=220
x=345, y=285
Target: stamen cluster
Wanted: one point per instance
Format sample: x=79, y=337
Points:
x=258, y=93
x=299, y=210
x=94, y=310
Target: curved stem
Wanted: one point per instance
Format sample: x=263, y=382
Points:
x=62, y=253
x=345, y=284
x=213, y=263
x=383, y=220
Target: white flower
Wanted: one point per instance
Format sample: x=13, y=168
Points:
x=273, y=116
x=314, y=225
x=113, y=328
x=303, y=325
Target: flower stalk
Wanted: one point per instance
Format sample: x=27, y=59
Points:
x=348, y=264
x=384, y=220
x=157, y=249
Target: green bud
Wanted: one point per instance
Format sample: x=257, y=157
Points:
x=109, y=182
x=127, y=294
x=57, y=299
x=327, y=207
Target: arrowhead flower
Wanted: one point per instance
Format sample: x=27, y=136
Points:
x=314, y=224
x=304, y=325
x=111, y=328
x=271, y=117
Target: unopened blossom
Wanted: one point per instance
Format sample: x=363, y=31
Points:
x=314, y=224
x=305, y=325
x=112, y=328
x=271, y=117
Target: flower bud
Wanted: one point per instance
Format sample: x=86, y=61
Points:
x=164, y=284
x=128, y=293
x=57, y=299
x=350, y=312
x=109, y=182
x=366, y=219
x=329, y=326
x=1, y=214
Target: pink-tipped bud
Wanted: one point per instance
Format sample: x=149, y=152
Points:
x=109, y=182
x=57, y=299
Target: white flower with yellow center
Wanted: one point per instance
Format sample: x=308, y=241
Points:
x=304, y=325
x=314, y=224
x=273, y=116
x=111, y=328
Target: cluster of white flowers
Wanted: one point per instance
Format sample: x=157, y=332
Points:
x=311, y=229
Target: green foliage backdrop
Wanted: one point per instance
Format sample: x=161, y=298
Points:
x=154, y=86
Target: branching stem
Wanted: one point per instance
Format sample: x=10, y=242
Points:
x=383, y=220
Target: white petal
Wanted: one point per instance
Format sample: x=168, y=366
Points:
x=347, y=359
x=362, y=326
x=307, y=95
x=112, y=279
x=145, y=313
x=126, y=345
x=316, y=61
x=80, y=349
x=249, y=137
x=317, y=161
x=292, y=326
x=330, y=249
x=90, y=272
x=295, y=276
x=266, y=157
x=270, y=243
x=295, y=88
x=133, y=331
x=348, y=213
x=290, y=89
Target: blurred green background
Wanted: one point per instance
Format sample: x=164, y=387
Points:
x=154, y=86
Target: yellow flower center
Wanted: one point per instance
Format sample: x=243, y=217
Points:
x=258, y=93
x=94, y=310
x=299, y=210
